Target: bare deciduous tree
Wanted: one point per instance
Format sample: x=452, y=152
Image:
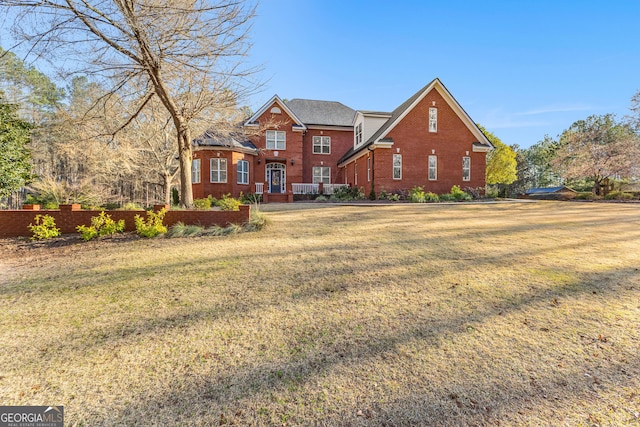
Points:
x=190, y=54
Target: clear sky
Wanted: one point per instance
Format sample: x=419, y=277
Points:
x=520, y=68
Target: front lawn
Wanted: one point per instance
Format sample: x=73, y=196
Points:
x=501, y=314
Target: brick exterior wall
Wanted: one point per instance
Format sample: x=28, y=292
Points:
x=206, y=187
x=412, y=139
x=341, y=142
x=15, y=223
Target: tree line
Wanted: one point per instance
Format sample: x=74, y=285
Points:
x=592, y=154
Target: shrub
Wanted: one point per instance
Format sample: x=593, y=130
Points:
x=321, y=198
x=250, y=198
x=153, y=224
x=228, y=203
x=181, y=230
x=382, y=195
x=447, y=197
x=132, y=206
x=416, y=195
x=431, y=197
x=393, y=197
x=202, y=204
x=45, y=228
x=101, y=225
x=619, y=195
x=458, y=194
x=345, y=193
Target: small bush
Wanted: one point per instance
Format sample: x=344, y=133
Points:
x=181, y=230
x=153, y=225
x=131, y=206
x=45, y=228
x=431, y=197
x=382, y=195
x=619, y=195
x=228, y=203
x=101, y=225
x=202, y=204
x=416, y=195
x=458, y=194
x=345, y=193
x=321, y=198
x=447, y=197
x=250, y=198
x=257, y=221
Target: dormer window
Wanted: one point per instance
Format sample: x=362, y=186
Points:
x=358, y=134
x=433, y=119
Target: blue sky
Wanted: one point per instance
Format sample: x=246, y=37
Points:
x=522, y=69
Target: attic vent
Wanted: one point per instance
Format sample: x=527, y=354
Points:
x=276, y=110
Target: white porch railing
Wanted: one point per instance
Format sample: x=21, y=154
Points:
x=328, y=188
x=259, y=187
x=304, y=188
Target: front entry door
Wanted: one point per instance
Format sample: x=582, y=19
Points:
x=276, y=181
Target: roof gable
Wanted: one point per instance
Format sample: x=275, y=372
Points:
x=253, y=120
x=405, y=108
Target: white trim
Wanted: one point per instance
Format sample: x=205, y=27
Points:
x=429, y=168
x=329, y=127
x=313, y=144
x=221, y=148
x=269, y=103
x=322, y=176
x=275, y=140
x=477, y=149
x=219, y=170
x=194, y=169
x=393, y=167
x=463, y=168
x=267, y=176
x=241, y=173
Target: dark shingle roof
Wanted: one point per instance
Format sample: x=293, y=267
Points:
x=394, y=115
x=234, y=140
x=330, y=113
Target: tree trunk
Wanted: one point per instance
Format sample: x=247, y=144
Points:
x=184, y=150
x=596, y=187
x=166, y=178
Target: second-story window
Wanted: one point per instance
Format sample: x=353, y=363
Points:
x=276, y=140
x=433, y=119
x=321, y=145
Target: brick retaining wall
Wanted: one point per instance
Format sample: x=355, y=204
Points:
x=15, y=223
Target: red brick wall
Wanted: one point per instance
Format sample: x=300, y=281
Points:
x=292, y=153
x=415, y=143
x=206, y=187
x=16, y=222
x=341, y=141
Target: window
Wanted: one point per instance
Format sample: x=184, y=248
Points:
x=243, y=172
x=433, y=119
x=369, y=169
x=433, y=168
x=397, y=166
x=358, y=134
x=355, y=174
x=321, y=145
x=218, y=170
x=321, y=175
x=195, y=171
x=276, y=140
x=466, y=168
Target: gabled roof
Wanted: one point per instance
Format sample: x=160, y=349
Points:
x=235, y=140
x=399, y=113
x=253, y=120
x=327, y=113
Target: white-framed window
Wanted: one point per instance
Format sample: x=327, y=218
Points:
x=358, y=134
x=195, y=171
x=433, y=119
x=243, y=172
x=219, y=170
x=321, y=174
x=397, y=166
x=368, y=169
x=466, y=168
x=355, y=174
x=433, y=168
x=276, y=140
x=321, y=145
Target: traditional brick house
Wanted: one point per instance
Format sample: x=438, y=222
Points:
x=306, y=146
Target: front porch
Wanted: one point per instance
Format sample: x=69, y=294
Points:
x=292, y=189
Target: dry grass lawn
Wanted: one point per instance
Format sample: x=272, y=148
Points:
x=503, y=314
